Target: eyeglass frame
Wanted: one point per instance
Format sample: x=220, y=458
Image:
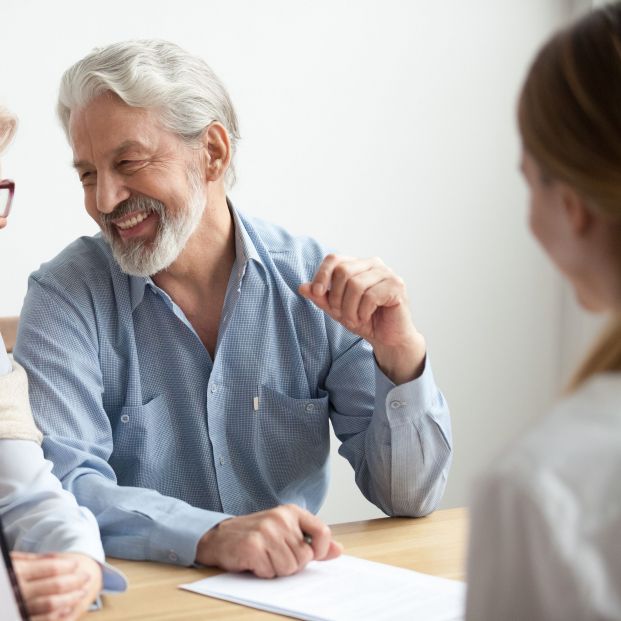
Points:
x=7, y=184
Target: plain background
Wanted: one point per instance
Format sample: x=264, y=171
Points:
x=380, y=128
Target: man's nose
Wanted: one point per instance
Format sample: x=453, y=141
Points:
x=110, y=192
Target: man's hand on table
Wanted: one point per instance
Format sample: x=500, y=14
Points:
x=57, y=586
x=268, y=543
x=370, y=300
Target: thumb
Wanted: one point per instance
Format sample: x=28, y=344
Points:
x=334, y=551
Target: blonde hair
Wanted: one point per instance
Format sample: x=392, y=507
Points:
x=604, y=357
x=569, y=116
x=8, y=125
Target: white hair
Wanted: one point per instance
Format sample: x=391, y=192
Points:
x=8, y=125
x=153, y=74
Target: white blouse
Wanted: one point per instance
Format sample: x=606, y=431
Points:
x=546, y=521
x=38, y=515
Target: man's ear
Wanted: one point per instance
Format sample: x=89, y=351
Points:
x=579, y=216
x=217, y=151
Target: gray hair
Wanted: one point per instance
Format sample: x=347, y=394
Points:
x=153, y=74
x=8, y=125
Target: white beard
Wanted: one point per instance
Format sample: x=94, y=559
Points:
x=138, y=258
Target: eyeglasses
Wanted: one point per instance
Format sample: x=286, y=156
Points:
x=7, y=189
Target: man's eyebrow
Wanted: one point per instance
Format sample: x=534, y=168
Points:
x=124, y=146
x=79, y=164
x=129, y=144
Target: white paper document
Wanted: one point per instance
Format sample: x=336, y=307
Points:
x=345, y=589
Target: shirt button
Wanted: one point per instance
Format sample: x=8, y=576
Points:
x=395, y=405
x=125, y=418
x=214, y=388
x=221, y=460
x=172, y=556
x=310, y=407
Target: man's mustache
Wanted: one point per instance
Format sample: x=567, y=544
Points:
x=131, y=205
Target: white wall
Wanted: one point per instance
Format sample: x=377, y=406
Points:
x=380, y=127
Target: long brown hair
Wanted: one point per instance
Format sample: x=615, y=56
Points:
x=569, y=116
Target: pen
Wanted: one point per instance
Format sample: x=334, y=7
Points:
x=307, y=538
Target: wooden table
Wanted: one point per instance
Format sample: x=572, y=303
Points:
x=434, y=545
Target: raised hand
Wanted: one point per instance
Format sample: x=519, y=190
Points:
x=370, y=300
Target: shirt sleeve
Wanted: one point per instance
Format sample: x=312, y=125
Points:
x=397, y=438
x=66, y=398
x=39, y=516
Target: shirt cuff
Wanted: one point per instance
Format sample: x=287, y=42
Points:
x=415, y=398
x=175, y=539
x=113, y=580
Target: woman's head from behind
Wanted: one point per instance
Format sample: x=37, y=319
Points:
x=8, y=124
x=569, y=116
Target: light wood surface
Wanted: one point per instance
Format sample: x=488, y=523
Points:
x=434, y=545
x=8, y=329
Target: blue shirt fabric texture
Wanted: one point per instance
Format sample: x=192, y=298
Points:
x=161, y=442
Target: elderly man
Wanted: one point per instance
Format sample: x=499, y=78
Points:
x=185, y=363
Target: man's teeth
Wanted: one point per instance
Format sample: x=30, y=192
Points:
x=133, y=221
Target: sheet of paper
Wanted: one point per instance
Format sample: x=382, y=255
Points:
x=345, y=589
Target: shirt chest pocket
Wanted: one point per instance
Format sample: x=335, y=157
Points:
x=144, y=439
x=296, y=430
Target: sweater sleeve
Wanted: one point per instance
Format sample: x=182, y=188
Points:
x=16, y=422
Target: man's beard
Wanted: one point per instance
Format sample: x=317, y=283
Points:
x=144, y=258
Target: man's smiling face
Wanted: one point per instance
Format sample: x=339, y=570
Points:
x=142, y=183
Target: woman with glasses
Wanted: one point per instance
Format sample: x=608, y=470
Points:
x=546, y=523
x=60, y=554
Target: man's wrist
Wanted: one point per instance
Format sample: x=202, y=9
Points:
x=205, y=550
x=403, y=363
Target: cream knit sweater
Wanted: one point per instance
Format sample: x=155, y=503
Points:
x=16, y=422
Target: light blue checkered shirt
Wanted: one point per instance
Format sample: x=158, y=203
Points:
x=162, y=443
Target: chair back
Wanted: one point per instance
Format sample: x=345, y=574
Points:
x=8, y=328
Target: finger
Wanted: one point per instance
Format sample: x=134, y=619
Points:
x=355, y=289
x=302, y=551
x=65, y=583
x=283, y=559
x=63, y=614
x=275, y=529
x=332, y=277
x=342, y=273
x=389, y=292
x=253, y=557
x=320, y=301
x=42, y=567
x=318, y=531
x=334, y=551
x=58, y=615
x=55, y=604
x=16, y=555
x=322, y=279
x=262, y=566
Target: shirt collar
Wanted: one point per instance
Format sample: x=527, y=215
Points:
x=245, y=251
